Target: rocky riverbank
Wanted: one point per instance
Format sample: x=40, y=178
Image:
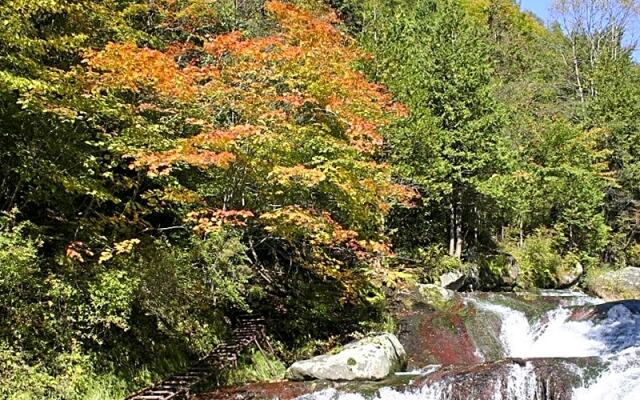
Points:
x=546, y=346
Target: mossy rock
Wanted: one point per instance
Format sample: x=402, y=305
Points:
x=623, y=284
x=436, y=296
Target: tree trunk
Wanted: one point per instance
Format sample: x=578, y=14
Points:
x=459, y=233
x=452, y=229
x=576, y=68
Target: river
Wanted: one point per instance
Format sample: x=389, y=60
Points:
x=557, y=345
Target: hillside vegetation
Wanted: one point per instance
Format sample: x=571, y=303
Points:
x=166, y=165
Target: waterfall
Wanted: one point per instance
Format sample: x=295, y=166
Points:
x=608, y=339
x=616, y=340
x=553, y=336
x=621, y=380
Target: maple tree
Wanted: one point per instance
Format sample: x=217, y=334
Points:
x=168, y=164
x=284, y=123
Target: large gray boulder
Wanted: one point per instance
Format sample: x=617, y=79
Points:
x=568, y=274
x=623, y=284
x=511, y=272
x=453, y=280
x=371, y=358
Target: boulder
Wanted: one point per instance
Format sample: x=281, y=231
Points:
x=453, y=280
x=568, y=274
x=435, y=295
x=372, y=358
x=622, y=284
x=511, y=272
x=552, y=379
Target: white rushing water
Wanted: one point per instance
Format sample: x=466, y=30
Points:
x=614, y=338
x=553, y=336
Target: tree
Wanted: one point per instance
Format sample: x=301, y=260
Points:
x=435, y=59
x=176, y=162
x=597, y=31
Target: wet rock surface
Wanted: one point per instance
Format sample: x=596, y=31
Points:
x=457, y=331
x=438, y=337
x=554, y=345
x=536, y=379
x=623, y=284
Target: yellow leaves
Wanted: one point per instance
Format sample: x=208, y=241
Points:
x=123, y=247
x=171, y=195
x=296, y=223
x=210, y=220
x=196, y=14
x=105, y=256
x=196, y=151
x=126, y=246
x=77, y=251
x=300, y=175
x=399, y=279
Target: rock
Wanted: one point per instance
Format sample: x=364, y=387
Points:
x=568, y=274
x=435, y=295
x=550, y=379
x=511, y=273
x=453, y=280
x=371, y=358
x=623, y=284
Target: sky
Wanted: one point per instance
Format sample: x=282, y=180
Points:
x=542, y=9
x=539, y=7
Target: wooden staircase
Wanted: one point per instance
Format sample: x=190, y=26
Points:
x=248, y=330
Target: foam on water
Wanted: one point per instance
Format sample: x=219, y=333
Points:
x=553, y=336
x=615, y=338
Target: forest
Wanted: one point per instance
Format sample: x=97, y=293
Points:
x=166, y=165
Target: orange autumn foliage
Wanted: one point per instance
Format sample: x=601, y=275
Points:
x=209, y=220
x=125, y=66
x=198, y=151
x=285, y=122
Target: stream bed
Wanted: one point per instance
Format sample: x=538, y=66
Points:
x=556, y=345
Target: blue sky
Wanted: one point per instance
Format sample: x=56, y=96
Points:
x=539, y=7
x=542, y=9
